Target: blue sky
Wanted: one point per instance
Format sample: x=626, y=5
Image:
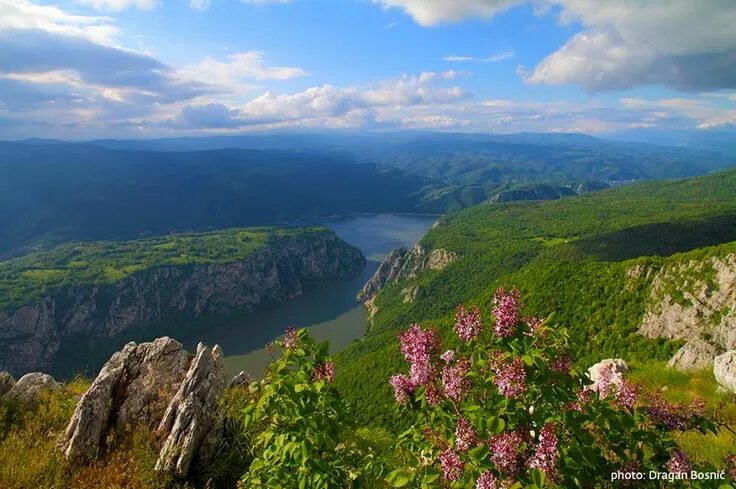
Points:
x=145, y=68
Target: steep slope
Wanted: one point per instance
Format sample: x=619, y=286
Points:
x=592, y=259
x=82, y=292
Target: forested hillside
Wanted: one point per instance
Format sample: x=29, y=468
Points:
x=576, y=257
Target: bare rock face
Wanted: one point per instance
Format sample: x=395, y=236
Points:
x=191, y=421
x=694, y=355
x=403, y=264
x=618, y=368
x=6, y=382
x=241, y=379
x=134, y=387
x=694, y=301
x=724, y=370
x=30, y=387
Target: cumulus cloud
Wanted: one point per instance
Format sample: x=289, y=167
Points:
x=686, y=45
x=432, y=12
x=333, y=106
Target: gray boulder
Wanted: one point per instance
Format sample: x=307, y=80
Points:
x=241, y=379
x=696, y=354
x=724, y=370
x=6, y=382
x=133, y=388
x=192, y=423
x=618, y=368
x=30, y=387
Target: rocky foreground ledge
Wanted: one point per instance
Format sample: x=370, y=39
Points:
x=158, y=385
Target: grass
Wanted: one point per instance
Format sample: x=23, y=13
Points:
x=29, y=457
x=683, y=387
x=24, y=280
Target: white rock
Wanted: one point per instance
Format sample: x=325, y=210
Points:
x=724, y=370
x=30, y=387
x=696, y=354
x=618, y=368
x=6, y=382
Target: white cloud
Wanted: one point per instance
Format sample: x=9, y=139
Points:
x=432, y=12
x=683, y=44
x=264, y=2
x=118, y=5
x=23, y=14
x=237, y=67
x=495, y=58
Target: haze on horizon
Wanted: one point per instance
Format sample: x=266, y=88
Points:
x=81, y=69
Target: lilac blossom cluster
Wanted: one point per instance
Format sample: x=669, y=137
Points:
x=452, y=466
x=506, y=452
x=510, y=377
x=545, y=455
x=506, y=312
x=468, y=324
x=673, y=416
x=324, y=371
x=465, y=435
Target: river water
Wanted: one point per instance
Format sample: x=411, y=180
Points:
x=330, y=311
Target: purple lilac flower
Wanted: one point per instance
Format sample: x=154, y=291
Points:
x=403, y=387
x=448, y=356
x=455, y=380
x=506, y=311
x=452, y=466
x=606, y=381
x=465, y=435
x=488, y=481
x=417, y=345
x=730, y=463
x=432, y=394
x=562, y=363
x=510, y=378
x=506, y=452
x=290, y=338
x=627, y=394
x=468, y=324
x=679, y=463
x=535, y=326
x=324, y=371
x=545, y=455
x=673, y=416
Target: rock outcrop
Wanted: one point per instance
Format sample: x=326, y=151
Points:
x=696, y=354
x=32, y=335
x=191, y=421
x=134, y=387
x=162, y=387
x=403, y=264
x=696, y=302
x=29, y=388
x=724, y=370
x=6, y=382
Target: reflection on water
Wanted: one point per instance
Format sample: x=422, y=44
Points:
x=330, y=311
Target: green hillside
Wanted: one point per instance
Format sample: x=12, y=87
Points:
x=25, y=279
x=573, y=256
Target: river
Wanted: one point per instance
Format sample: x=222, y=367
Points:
x=330, y=311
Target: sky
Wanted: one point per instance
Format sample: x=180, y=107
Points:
x=84, y=69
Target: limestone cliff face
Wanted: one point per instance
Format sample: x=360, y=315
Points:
x=696, y=302
x=402, y=264
x=31, y=335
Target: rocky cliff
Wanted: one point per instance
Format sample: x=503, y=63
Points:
x=401, y=265
x=694, y=301
x=31, y=335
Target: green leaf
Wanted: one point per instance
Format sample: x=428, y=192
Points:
x=537, y=477
x=398, y=478
x=496, y=425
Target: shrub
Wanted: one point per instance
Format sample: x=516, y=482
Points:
x=303, y=436
x=507, y=410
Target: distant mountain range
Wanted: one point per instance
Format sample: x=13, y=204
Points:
x=55, y=191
